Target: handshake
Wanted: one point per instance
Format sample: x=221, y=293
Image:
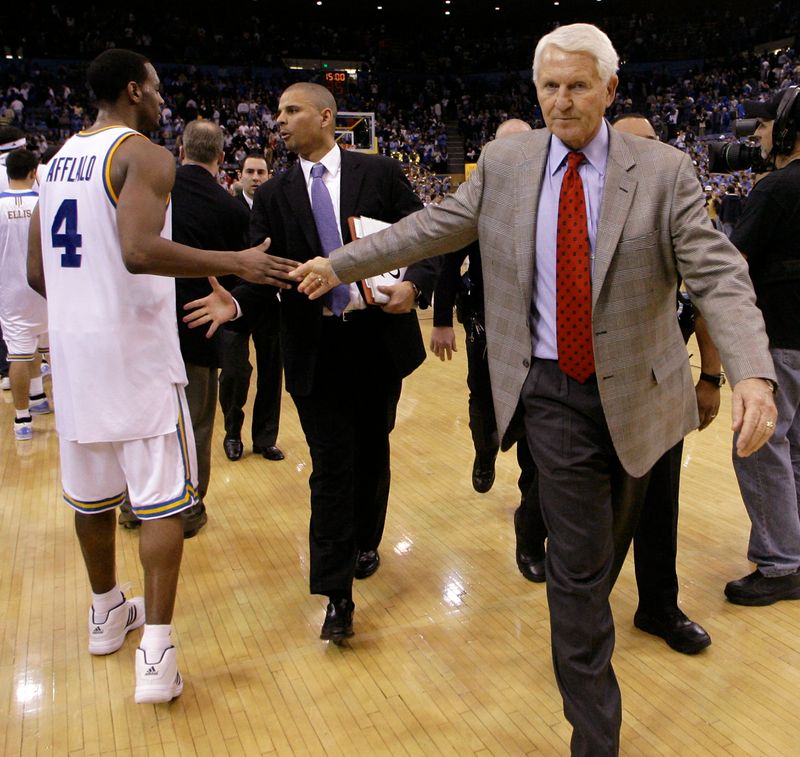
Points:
x=313, y=278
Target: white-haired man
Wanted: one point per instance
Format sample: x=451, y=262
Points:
x=584, y=232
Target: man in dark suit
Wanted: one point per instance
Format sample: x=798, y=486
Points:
x=234, y=378
x=205, y=216
x=344, y=371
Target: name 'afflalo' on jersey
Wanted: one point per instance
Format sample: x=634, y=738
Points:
x=68, y=168
x=113, y=334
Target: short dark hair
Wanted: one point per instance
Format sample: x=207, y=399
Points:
x=203, y=141
x=111, y=71
x=20, y=163
x=253, y=156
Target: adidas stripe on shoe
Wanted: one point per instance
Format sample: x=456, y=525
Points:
x=39, y=405
x=23, y=429
x=157, y=680
x=109, y=636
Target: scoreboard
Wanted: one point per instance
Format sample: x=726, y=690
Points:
x=335, y=81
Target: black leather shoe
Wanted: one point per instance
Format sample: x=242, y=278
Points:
x=758, y=590
x=483, y=473
x=682, y=634
x=531, y=567
x=338, y=624
x=367, y=563
x=194, y=518
x=127, y=518
x=271, y=453
x=233, y=448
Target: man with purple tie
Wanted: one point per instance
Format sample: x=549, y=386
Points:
x=344, y=360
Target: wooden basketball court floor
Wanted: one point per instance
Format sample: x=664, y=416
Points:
x=451, y=652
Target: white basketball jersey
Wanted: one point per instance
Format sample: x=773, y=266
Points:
x=19, y=304
x=113, y=334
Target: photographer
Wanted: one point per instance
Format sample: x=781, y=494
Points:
x=768, y=234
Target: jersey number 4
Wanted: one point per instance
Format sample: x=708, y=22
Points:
x=64, y=233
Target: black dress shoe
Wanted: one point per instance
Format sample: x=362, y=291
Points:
x=682, y=634
x=531, y=568
x=233, y=448
x=338, y=624
x=483, y=473
x=367, y=563
x=271, y=453
x=194, y=518
x=127, y=518
x=758, y=590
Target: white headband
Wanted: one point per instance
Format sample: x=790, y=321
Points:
x=21, y=142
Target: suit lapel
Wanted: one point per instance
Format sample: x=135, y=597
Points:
x=349, y=189
x=618, y=193
x=528, y=187
x=300, y=207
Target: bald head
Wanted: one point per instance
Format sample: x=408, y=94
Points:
x=316, y=94
x=512, y=126
x=637, y=125
x=307, y=120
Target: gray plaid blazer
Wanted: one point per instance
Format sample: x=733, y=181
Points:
x=653, y=229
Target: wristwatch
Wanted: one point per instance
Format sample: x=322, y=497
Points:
x=417, y=292
x=718, y=379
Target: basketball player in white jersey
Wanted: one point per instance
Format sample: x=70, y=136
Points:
x=100, y=233
x=23, y=312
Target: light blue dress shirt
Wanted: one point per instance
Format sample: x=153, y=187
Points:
x=593, y=173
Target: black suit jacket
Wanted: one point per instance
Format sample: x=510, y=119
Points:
x=240, y=197
x=205, y=216
x=372, y=186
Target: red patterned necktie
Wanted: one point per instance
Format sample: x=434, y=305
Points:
x=573, y=278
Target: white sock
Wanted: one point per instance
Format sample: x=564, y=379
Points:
x=36, y=387
x=22, y=415
x=102, y=604
x=155, y=640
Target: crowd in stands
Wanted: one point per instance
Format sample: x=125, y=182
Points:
x=412, y=110
x=474, y=38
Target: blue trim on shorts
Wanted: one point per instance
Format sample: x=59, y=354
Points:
x=96, y=506
x=188, y=496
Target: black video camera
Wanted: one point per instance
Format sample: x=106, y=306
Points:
x=726, y=157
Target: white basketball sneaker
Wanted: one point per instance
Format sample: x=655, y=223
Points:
x=157, y=680
x=109, y=636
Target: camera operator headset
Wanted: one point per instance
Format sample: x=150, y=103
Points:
x=774, y=207
x=768, y=234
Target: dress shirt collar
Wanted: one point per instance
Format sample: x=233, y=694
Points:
x=332, y=162
x=596, y=152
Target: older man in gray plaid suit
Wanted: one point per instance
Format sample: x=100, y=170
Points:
x=594, y=431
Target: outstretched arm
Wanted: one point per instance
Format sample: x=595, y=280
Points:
x=214, y=309
x=143, y=175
